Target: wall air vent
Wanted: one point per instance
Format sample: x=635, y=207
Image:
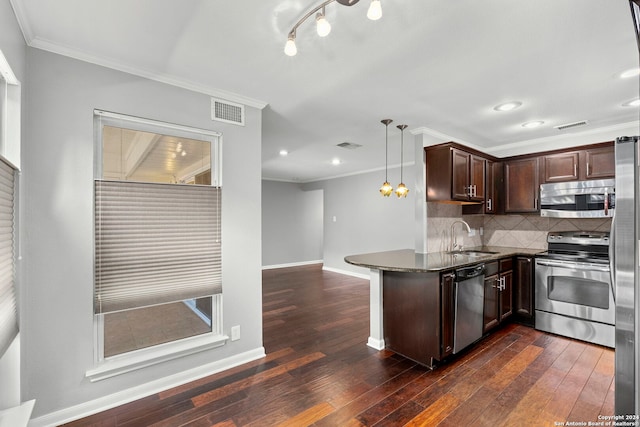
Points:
x=571, y=125
x=228, y=112
x=349, y=145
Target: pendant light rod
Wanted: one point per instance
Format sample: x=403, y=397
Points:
x=386, y=123
x=402, y=128
x=386, y=188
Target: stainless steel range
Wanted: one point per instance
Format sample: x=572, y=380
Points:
x=573, y=292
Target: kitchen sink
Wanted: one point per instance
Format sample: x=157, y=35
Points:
x=472, y=253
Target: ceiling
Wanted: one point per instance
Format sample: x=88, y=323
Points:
x=435, y=65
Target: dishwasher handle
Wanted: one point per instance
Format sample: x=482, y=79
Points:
x=469, y=272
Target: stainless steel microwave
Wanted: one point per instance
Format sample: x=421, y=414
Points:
x=578, y=199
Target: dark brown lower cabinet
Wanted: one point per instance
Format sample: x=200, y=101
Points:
x=524, y=292
x=498, y=293
x=411, y=315
x=447, y=312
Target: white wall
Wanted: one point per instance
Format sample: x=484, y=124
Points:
x=292, y=224
x=14, y=49
x=364, y=220
x=57, y=312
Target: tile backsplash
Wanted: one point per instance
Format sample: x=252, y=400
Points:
x=519, y=231
x=440, y=217
x=530, y=231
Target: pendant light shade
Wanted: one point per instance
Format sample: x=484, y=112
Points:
x=386, y=188
x=402, y=189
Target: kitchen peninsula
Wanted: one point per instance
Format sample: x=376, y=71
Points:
x=413, y=299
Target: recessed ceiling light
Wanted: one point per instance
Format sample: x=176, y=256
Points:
x=284, y=153
x=336, y=161
x=630, y=73
x=533, y=124
x=508, y=106
x=634, y=103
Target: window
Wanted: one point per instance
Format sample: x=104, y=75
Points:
x=8, y=310
x=157, y=278
x=9, y=140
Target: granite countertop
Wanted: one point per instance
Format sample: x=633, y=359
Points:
x=409, y=261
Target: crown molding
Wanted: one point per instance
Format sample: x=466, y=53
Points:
x=23, y=22
x=344, y=175
x=533, y=145
x=57, y=48
x=443, y=137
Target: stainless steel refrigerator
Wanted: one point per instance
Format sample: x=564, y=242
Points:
x=625, y=270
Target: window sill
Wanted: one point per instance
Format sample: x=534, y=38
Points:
x=123, y=363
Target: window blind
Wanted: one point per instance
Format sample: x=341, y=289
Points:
x=8, y=309
x=155, y=243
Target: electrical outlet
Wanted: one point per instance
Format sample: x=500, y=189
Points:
x=472, y=232
x=235, y=333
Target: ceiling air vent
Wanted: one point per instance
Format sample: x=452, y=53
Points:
x=228, y=112
x=349, y=145
x=571, y=125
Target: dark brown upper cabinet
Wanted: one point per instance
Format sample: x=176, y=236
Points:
x=590, y=163
x=600, y=163
x=493, y=188
x=560, y=167
x=454, y=175
x=521, y=184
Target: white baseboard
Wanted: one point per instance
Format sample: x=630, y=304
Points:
x=129, y=395
x=346, y=272
x=375, y=343
x=292, y=264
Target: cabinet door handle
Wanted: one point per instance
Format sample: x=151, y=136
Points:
x=475, y=190
x=535, y=204
x=575, y=170
x=489, y=204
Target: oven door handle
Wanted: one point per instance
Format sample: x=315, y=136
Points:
x=572, y=266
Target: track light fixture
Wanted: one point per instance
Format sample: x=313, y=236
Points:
x=322, y=25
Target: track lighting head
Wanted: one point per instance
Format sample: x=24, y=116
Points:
x=322, y=25
x=290, y=48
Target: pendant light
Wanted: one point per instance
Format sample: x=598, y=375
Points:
x=402, y=189
x=386, y=188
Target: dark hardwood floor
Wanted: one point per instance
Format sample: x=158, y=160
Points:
x=318, y=371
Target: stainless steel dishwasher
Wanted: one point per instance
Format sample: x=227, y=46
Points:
x=469, y=306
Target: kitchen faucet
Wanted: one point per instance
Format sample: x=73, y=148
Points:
x=453, y=244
